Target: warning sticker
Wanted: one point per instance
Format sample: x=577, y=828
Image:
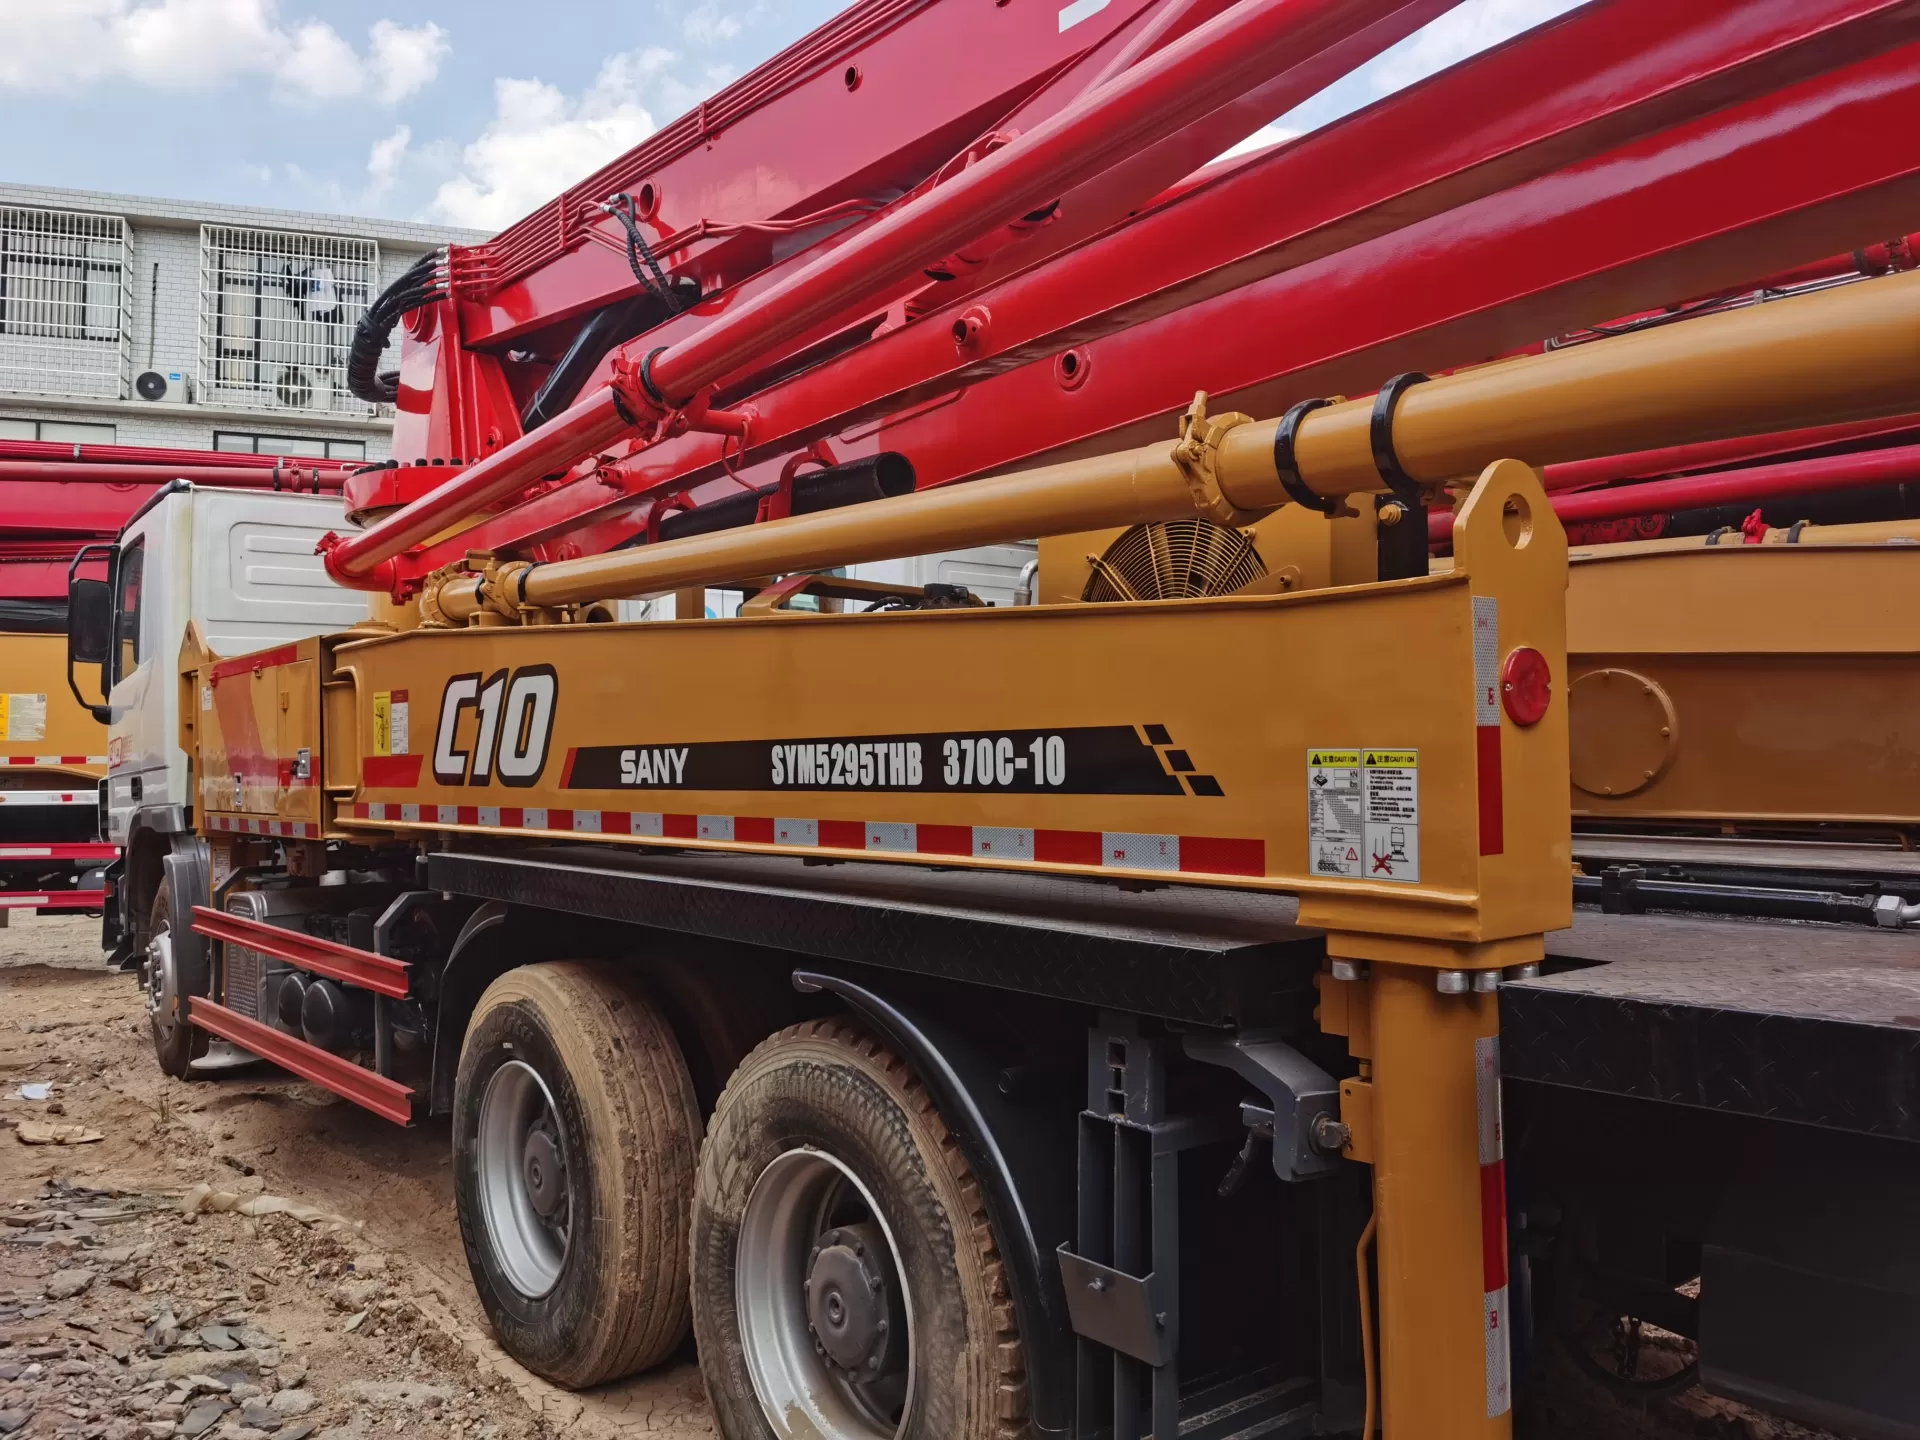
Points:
x=1336, y=830
x=23, y=717
x=390, y=727
x=1390, y=781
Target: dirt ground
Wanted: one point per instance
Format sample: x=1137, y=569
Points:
x=140, y=1301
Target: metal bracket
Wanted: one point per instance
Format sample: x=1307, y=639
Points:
x=1127, y=1313
x=1197, y=454
x=1300, y=1092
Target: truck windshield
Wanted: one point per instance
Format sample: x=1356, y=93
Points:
x=126, y=610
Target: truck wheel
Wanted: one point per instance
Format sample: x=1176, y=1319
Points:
x=171, y=976
x=574, y=1131
x=846, y=1284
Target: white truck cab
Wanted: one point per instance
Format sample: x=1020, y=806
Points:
x=242, y=564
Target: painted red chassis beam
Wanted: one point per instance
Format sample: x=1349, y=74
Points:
x=52, y=899
x=1143, y=105
x=384, y=1097
x=1863, y=470
x=1707, y=204
x=379, y=973
x=13, y=851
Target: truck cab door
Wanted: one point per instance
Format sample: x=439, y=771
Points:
x=129, y=673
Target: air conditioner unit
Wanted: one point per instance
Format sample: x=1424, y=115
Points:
x=167, y=387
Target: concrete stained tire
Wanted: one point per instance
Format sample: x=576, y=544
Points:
x=177, y=1043
x=828, y=1086
x=625, y=1123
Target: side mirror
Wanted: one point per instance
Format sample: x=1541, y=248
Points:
x=90, y=628
x=89, y=621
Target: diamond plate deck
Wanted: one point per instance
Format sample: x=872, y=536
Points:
x=1815, y=1024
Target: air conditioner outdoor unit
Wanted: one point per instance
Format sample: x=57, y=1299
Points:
x=166, y=387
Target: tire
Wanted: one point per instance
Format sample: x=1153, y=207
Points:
x=607, y=1295
x=824, y=1104
x=177, y=1042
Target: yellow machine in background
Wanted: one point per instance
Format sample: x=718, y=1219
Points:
x=52, y=756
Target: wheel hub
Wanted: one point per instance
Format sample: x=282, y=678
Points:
x=524, y=1192
x=545, y=1172
x=826, y=1314
x=163, y=988
x=848, y=1307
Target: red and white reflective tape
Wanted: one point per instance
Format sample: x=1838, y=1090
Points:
x=53, y=760
x=286, y=829
x=1176, y=854
x=1486, y=722
x=1493, y=1223
x=17, y=798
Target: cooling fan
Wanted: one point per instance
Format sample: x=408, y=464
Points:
x=1175, y=560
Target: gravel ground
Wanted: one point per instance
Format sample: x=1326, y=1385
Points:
x=139, y=1300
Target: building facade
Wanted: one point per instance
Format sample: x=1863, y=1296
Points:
x=132, y=321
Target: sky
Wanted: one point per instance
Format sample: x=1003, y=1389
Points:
x=459, y=112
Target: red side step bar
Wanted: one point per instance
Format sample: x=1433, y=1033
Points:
x=379, y=973
x=353, y=1082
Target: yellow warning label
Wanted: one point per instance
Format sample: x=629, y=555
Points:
x=23, y=717
x=1392, y=759
x=1333, y=757
x=383, y=722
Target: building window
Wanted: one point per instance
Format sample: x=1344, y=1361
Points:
x=277, y=311
x=66, y=303
x=63, y=432
x=289, y=447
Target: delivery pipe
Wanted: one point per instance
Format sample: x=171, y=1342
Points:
x=1208, y=67
x=1824, y=358
x=1863, y=470
x=252, y=477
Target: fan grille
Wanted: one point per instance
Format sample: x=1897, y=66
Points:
x=1175, y=560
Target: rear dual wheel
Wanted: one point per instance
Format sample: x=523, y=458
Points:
x=842, y=1276
x=574, y=1135
x=846, y=1284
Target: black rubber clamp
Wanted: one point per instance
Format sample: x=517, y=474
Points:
x=1793, y=531
x=1380, y=432
x=646, y=377
x=1297, y=489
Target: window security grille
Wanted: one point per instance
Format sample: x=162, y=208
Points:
x=277, y=311
x=66, y=303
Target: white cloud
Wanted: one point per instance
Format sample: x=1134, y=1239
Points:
x=1465, y=30
x=194, y=44
x=707, y=24
x=383, y=163
x=540, y=141
x=403, y=60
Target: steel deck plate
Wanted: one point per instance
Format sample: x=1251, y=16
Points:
x=1816, y=1024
